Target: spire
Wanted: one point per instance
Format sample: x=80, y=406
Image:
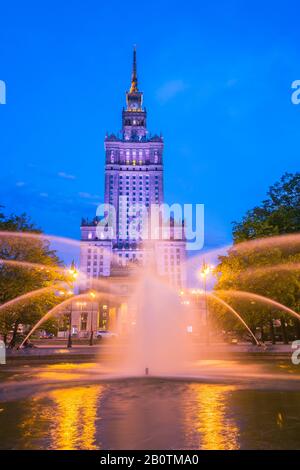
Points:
x=134, y=87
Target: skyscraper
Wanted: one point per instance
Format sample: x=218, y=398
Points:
x=133, y=186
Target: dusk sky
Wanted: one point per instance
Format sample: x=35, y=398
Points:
x=216, y=78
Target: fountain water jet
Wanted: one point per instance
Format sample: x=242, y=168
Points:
x=261, y=298
x=56, y=309
x=159, y=340
x=27, y=264
x=27, y=296
x=267, y=269
x=275, y=241
x=232, y=310
x=46, y=237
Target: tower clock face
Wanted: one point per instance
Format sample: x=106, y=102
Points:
x=134, y=105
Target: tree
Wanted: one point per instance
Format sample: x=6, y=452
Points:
x=278, y=214
x=247, y=267
x=18, y=280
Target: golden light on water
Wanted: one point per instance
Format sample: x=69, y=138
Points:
x=65, y=417
x=65, y=372
x=75, y=413
x=62, y=376
x=144, y=415
x=216, y=429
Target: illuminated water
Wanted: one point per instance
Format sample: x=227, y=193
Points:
x=57, y=407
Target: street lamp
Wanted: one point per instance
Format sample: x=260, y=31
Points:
x=69, y=344
x=205, y=271
x=63, y=293
x=92, y=295
x=74, y=274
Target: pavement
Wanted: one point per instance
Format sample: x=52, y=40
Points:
x=43, y=350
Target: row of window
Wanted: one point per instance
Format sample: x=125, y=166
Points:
x=95, y=250
x=133, y=177
x=133, y=169
x=133, y=255
x=172, y=268
x=141, y=187
x=134, y=122
x=95, y=263
x=133, y=152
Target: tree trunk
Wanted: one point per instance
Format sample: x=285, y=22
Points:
x=284, y=331
x=14, y=336
x=272, y=332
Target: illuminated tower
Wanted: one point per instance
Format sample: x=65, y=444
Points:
x=133, y=182
x=133, y=168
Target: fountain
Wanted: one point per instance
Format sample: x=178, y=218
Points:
x=159, y=383
x=159, y=343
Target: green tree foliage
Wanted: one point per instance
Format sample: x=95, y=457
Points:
x=278, y=214
x=19, y=280
x=264, y=270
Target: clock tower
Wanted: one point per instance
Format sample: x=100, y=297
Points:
x=134, y=116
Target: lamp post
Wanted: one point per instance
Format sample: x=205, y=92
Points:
x=63, y=293
x=74, y=273
x=205, y=271
x=92, y=295
x=69, y=344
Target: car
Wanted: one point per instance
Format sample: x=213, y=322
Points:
x=46, y=335
x=105, y=334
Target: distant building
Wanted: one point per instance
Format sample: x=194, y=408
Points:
x=133, y=184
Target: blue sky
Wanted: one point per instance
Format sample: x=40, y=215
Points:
x=216, y=78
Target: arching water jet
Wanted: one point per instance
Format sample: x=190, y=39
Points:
x=261, y=298
x=232, y=310
x=28, y=296
x=56, y=309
